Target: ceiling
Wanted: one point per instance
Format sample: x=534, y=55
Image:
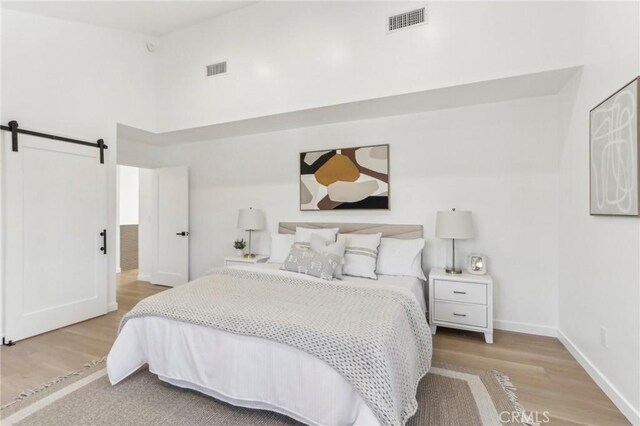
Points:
x=155, y=18
x=544, y=83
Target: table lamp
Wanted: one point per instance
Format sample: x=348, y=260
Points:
x=454, y=225
x=250, y=220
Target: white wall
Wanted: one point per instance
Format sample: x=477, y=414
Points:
x=600, y=256
x=2, y=206
x=288, y=56
x=129, y=195
x=76, y=80
x=498, y=160
x=136, y=154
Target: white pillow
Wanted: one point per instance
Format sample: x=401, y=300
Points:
x=361, y=254
x=280, y=247
x=401, y=257
x=303, y=235
x=322, y=246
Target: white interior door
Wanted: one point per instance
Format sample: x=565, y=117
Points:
x=55, y=197
x=171, y=226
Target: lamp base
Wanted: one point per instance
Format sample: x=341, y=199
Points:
x=453, y=271
x=249, y=256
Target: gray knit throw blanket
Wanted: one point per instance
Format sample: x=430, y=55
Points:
x=377, y=339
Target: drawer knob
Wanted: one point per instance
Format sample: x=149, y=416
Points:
x=459, y=315
x=459, y=292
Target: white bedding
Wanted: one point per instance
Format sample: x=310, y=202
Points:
x=244, y=370
x=412, y=284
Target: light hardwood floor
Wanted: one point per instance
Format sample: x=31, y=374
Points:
x=546, y=375
x=37, y=360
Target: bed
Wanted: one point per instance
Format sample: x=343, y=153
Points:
x=262, y=371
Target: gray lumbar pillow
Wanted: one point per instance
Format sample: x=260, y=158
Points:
x=309, y=262
x=324, y=246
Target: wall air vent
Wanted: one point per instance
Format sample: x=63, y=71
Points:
x=217, y=69
x=407, y=19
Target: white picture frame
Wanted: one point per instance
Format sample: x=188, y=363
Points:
x=477, y=264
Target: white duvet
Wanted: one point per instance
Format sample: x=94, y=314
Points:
x=244, y=370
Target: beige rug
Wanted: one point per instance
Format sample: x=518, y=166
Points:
x=448, y=395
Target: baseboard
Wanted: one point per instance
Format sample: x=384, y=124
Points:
x=523, y=327
x=144, y=277
x=607, y=387
x=112, y=307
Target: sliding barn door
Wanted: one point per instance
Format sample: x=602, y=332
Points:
x=55, y=211
x=171, y=226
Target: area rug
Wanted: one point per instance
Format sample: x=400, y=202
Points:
x=447, y=395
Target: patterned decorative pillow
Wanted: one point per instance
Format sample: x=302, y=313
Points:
x=320, y=245
x=361, y=254
x=308, y=262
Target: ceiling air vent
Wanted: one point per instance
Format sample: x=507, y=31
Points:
x=217, y=69
x=407, y=19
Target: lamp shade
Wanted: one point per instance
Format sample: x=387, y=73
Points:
x=454, y=224
x=250, y=219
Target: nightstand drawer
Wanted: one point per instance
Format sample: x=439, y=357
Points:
x=457, y=291
x=458, y=313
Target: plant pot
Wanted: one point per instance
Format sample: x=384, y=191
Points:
x=239, y=253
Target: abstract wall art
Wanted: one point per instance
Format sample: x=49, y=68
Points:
x=347, y=178
x=614, y=157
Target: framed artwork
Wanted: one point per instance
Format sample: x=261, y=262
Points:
x=347, y=178
x=613, y=153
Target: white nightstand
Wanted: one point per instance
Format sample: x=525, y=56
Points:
x=237, y=260
x=463, y=301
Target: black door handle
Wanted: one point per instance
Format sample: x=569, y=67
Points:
x=103, y=234
x=182, y=234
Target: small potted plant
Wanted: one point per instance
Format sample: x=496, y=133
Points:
x=239, y=245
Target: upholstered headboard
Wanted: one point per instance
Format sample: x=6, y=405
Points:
x=403, y=232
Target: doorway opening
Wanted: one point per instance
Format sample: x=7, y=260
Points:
x=134, y=222
x=153, y=224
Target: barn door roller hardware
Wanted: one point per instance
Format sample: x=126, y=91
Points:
x=15, y=130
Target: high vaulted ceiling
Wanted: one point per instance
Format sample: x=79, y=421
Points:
x=155, y=18
x=533, y=85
